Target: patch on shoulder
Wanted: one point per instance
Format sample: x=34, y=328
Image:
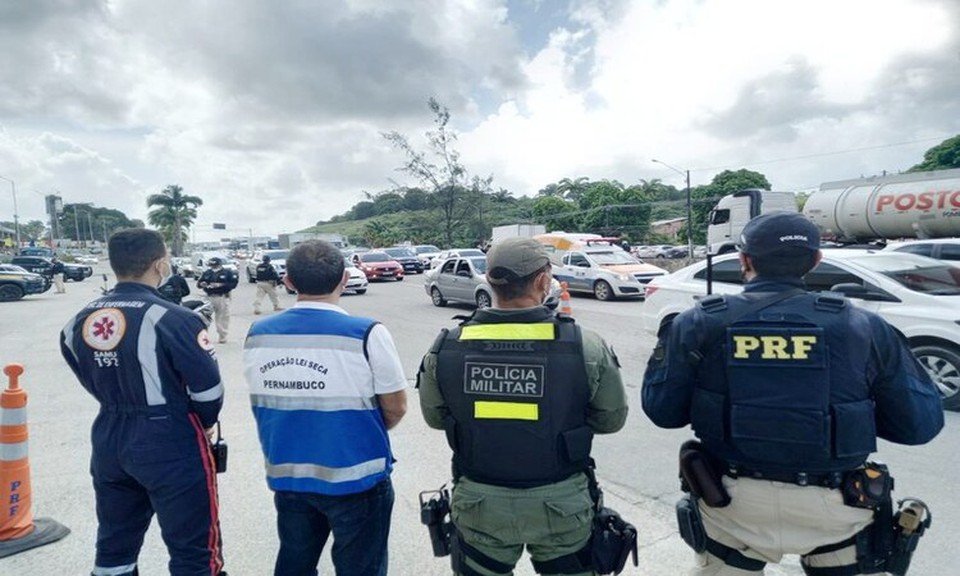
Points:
x=203, y=340
x=104, y=329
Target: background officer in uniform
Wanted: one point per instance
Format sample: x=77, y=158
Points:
x=150, y=365
x=325, y=388
x=56, y=272
x=267, y=280
x=218, y=282
x=520, y=393
x=787, y=391
x=174, y=288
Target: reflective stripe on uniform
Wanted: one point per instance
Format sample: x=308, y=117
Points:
x=208, y=395
x=312, y=403
x=292, y=341
x=147, y=355
x=13, y=452
x=327, y=474
x=68, y=337
x=114, y=570
x=13, y=416
x=506, y=411
x=540, y=331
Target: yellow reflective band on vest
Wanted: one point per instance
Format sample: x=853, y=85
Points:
x=539, y=331
x=506, y=411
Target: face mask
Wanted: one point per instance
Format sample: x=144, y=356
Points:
x=164, y=278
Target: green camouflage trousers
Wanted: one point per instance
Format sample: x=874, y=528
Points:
x=552, y=520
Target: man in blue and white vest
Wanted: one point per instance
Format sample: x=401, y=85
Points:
x=325, y=387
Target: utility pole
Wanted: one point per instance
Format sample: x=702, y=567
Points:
x=689, y=205
x=76, y=221
x=16, y=217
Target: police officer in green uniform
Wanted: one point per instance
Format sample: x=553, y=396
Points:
x=520, y=391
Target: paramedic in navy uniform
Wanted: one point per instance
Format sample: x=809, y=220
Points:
x=787, y=391
x=150, y=365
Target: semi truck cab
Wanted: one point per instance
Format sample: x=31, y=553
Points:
x=733, y=211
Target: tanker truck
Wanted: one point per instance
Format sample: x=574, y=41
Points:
x=914, y=205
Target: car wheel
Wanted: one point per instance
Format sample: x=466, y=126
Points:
x=361, y=290
x=483, y=299
x=437, y=297
x=289, y=291
x=602, y=290
x=943, y=366
x=10, y=292
x=399, y=278
x=251, y=279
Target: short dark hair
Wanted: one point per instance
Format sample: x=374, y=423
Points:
x=793, y=262
x=517, y=287
x=133, y=250
x=315, y=267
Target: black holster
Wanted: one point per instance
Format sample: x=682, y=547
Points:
x=690, y=523
x=613, y=540
x=700, y=475
x=435, y=515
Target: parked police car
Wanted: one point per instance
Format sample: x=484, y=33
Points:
x=15, y=283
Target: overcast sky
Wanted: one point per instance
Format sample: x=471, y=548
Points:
x=272, y=111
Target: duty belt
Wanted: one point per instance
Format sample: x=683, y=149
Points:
x=824, y=479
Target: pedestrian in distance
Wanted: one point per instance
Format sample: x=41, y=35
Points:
x=218, y=282
x=325, y=388
x=520, y=392
x=267, y=280
x=174, y=288
x=787, y=392
x=150, y=365
x=56, y=272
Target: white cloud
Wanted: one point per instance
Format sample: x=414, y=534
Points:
x=273, y=113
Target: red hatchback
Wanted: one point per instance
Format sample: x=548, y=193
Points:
x=378, y=266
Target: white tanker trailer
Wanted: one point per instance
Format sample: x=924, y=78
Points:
x=915, y=205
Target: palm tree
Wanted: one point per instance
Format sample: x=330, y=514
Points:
x=174, y=212
x=573, y=189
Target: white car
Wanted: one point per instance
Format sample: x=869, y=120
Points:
x=939, y=248
x=425, y=253
x=917, y=295
x=357, y=282
x=607, y=272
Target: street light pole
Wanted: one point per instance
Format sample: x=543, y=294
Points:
x=685, y=173
x=16, y=217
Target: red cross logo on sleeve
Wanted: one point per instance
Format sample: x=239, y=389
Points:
x=104, y=329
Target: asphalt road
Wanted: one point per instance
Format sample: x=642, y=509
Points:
x=637, y=466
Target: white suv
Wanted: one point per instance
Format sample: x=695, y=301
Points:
x=917, y=295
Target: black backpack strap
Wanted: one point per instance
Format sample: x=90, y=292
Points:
x=758, y=303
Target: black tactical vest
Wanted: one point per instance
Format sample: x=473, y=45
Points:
x=517, y=391
x=785, y=388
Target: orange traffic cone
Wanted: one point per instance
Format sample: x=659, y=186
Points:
x=18, y=531
x=565, y=300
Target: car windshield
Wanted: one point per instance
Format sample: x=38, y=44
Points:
x=470, y=252
x=400, y=252
x=479, y=264
x=612, y=258
x=12, y=268
x=917, y=273
x=277, y=254
x=426, y=249
x=374, y=257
